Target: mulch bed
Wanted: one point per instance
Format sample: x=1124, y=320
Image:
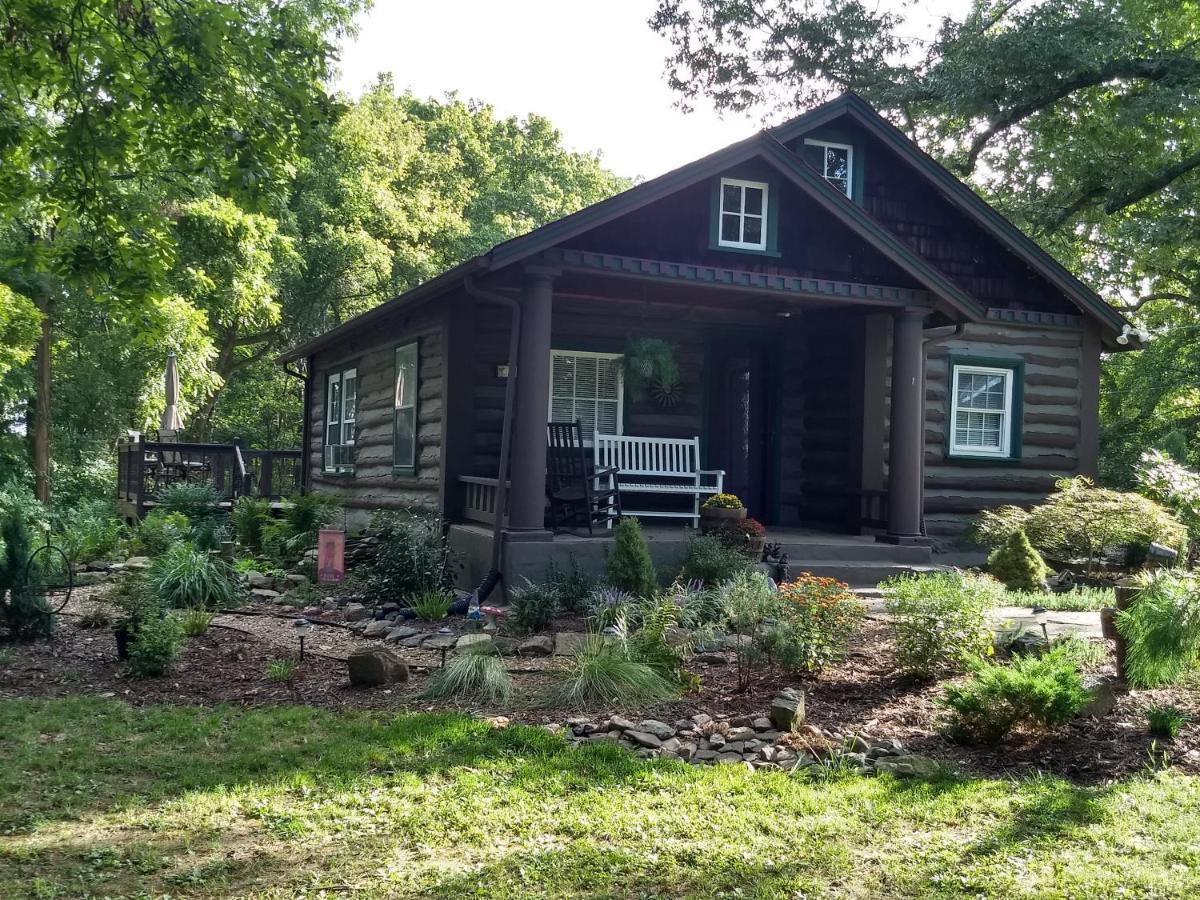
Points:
x=865, y=693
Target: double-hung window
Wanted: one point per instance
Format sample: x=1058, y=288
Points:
x=983, y=409
x=404, y=445
x=835, y=162
x=586, y=386
x=743, y=215
x=341, y=402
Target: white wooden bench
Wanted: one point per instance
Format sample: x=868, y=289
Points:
x=662, y=466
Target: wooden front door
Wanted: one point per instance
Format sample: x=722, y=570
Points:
x=742, y=405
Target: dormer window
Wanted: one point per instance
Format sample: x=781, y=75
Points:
x=743, y=214
x=835, y=162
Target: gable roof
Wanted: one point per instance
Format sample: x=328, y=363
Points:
x=958, y=193
x=769, y=146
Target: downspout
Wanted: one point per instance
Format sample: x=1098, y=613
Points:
x=306, y=424
x=510, y=392
x=932, y=336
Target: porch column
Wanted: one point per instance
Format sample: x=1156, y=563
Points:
x=906, y=446
x=527, y=498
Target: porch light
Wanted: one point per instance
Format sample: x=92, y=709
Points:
x=302, y=628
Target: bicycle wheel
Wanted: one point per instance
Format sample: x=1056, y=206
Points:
x=43, y=559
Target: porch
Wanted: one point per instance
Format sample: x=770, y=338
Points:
x=787, y=383
x=146, y=467
x=858, y=560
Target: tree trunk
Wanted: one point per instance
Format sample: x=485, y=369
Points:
x=41, y=409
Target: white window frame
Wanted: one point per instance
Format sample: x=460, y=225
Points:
x=849, y=148
x=588, y=354
x=722, y=212
x=330, y=452
x=415, y=406
x=1004, y=451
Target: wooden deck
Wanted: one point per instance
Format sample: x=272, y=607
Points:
x=144, y=468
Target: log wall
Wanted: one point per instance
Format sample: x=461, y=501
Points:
x=373, y=484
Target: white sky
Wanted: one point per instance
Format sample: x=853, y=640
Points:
x=595, y=69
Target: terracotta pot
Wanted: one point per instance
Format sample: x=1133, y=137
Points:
x=755, y=547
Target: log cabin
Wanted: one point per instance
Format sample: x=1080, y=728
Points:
x=865, y=349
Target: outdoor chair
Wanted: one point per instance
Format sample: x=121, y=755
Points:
x=579, y=492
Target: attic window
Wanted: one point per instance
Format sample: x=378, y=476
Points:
x=835, y=162
x=743, y=214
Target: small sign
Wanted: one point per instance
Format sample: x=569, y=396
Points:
x=331, y=556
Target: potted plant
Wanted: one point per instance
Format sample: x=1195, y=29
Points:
x=749, y=536
x=720, y=509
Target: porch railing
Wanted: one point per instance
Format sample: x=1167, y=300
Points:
x=146, y=467
x=479, y=498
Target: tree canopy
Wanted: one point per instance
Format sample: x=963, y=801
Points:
x=1077, y=118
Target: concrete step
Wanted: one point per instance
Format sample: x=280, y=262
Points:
x=857, y=574
x=861, y=550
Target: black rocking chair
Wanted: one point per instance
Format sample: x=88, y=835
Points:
x=578, y=492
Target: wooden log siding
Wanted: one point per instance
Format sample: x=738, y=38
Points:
x=373, y=484
x=1050, y=426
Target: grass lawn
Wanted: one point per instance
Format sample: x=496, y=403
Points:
x=98, y=799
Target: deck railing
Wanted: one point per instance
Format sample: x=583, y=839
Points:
x=479, y=498
x=146, y=467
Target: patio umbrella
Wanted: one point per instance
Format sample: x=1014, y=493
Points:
x=171, y=421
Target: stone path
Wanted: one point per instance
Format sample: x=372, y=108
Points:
x=1084, y=623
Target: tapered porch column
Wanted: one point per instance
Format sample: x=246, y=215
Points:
x=527, y=499
x=906, y=446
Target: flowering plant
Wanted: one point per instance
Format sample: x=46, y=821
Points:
x=749, y=528
x=724, y=501
x=816, y=619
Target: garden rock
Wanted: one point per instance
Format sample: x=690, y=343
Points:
x=264, y=594
x=356, y=612
x=1028, y=643
x=569, y=643
x=660, y=730
x=377, y=629
x=295, y=580
x=711, y=659
x=400, y=632
x=376, y=666
x=537, y=645
x=787, y=710
x=472, y=640
x=137, y=562
x=440, y=642
x=1104, y=695
x=644, y=739
x=910, y=766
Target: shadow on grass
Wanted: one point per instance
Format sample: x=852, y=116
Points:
x=69, y=761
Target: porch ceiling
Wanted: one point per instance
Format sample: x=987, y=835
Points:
x=662, y=272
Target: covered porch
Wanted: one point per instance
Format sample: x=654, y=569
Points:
x=789, y=383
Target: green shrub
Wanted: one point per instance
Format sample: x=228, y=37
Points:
x=573, y=586
x=532, y=606
x=281, y=671
x=160, y=530
x=610, y=605
x=195, y=622
x=477, y=675
x=711, y=562
x=23, y=609
x=1080, y=521
x=602, y=673
x=699, y=606
x=91, y=531
x=197, y=500
x=155, y=645
x=939, y=620
x=1166, y=721
x=629, y=565
x=814, y=621
x=432, y=605
x=287, y=538
x=186, y=577
x=412, y=557
x=248, y=518
x=1078, y=649
x=1017, y=564
x=748, y=604
x=209, y=534
x=1161, y=630
x=1042, y=691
